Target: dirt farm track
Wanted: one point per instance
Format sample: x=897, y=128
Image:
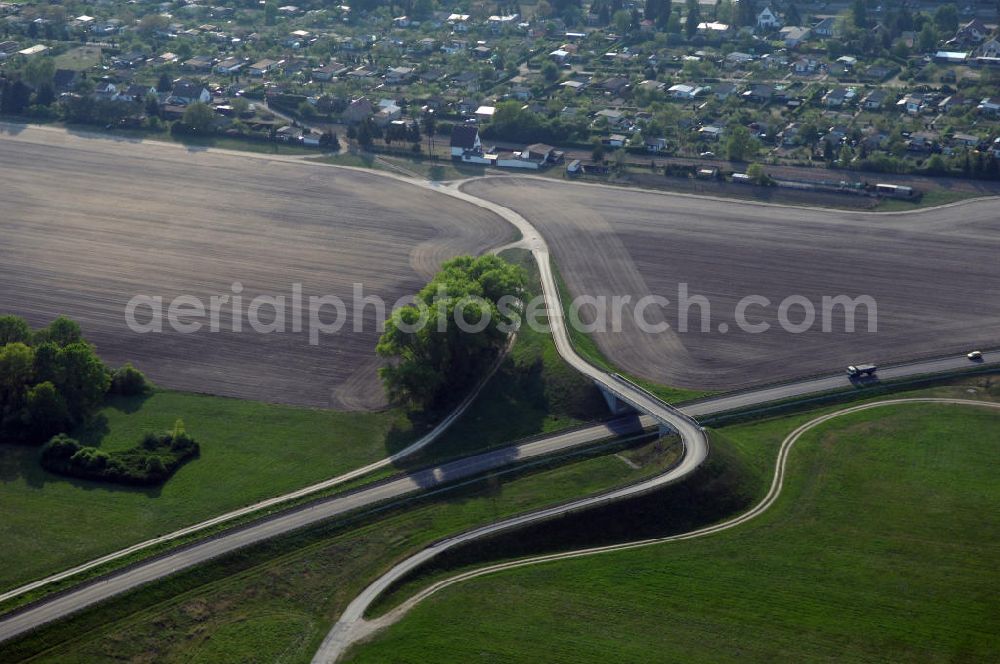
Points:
x=88, y=223
x=934, y=275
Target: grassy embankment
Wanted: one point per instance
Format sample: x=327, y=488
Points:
x=882, y=546
x=585, y=345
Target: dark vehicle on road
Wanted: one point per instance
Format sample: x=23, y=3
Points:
x=861, y=370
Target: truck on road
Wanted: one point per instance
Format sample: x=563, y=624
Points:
x=861, y=370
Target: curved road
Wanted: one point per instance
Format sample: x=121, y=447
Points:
x=353, y=628
x=657, y=413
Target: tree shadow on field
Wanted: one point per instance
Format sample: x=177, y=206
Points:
x=93, y=431
x=128, y=404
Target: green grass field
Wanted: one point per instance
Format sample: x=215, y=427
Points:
x=883, y=547
x=79, y=58
x=249, y=451
x=276, y=602
x=929, y=199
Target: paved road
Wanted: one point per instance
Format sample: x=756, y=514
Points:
x=365, y=628
x=658, y=413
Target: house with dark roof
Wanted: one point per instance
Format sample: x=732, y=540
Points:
x=187, y=92
x=465, y=140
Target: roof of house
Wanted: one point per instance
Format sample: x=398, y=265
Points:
x=464, y=136
x=187, y=89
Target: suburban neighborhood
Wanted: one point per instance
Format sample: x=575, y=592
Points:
x=881, y=89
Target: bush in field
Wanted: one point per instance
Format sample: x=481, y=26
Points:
x=129, y=381
x=151, y=462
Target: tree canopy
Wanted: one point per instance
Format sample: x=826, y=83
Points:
x=52, y=379
x=454, y=328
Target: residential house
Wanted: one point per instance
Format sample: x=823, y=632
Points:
x=876, y=100
x=793, y=35
x=973, y=32
x=465, y=140
x=989, y=106
x=826, y=28
x=357, y=111
x=684, y=91
x=467, y=106
x=615, y=117
x=328, y=71
x=485, y=113
x=879, y=72
x=962, y=140
x=838, y=97
x=459, y=22
x=848, y=61
x=106, y=91
x=713, y=29
x=199, y=64
x=710, y=132
x=760, y=93
x=399, y=75
x=262, y=67
x=990, y=49
x=561, y=56
x=614, y=85
x=137, y=93
x=656, y=144
x=723, y=91
x=388, y=111
x=951, y=57
x=614, y=140
x=229, y=66
x=187, y=92
x=805, y=66
x=790, y=135
x=911, y=104
x=767, y=20
x=651, y=86
x=921, y=141
x=469, y=80
x=738, y=59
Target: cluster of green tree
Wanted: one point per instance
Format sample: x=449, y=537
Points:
x=198, y=120
x=30, y=86
x=511, y=122
x=151, y=462
x=456, y=326
x=970, y=164
x=51, y=379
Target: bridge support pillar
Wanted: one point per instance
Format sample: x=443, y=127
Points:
x=615, y=405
